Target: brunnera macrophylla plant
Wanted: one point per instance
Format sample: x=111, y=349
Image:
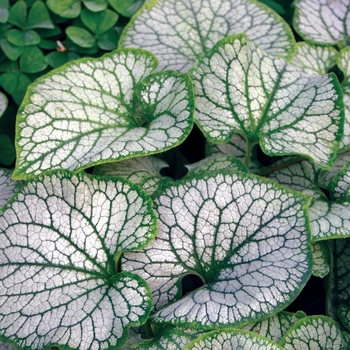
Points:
x=92, y=259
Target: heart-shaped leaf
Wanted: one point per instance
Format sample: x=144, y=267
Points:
x=322, y=22
x=312, y=59
x=178, y=32
x=239, y=88
x=95, y=110
x=247, y=239
x=276, y=326
x=232, y=339
x=61, y=237
x=313, y=332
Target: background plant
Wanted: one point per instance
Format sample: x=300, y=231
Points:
x=210, y=251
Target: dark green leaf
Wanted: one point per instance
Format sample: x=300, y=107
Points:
x=49, y=33
x=275, y=6
x=11, y=51
x=99, y=22
x=56, y=59
x=4, y=11
x=39, y=17
x=108, y=41
x=32, y=60
x=48, y=44
x=65, y=8
x=7, y=150
x=126, y=7
x=71, y=46
x=9, y=66
x=18, y=14
x=80, y=36
x=23, y=38
x=15, y=84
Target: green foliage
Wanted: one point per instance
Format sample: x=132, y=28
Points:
x=182, y=174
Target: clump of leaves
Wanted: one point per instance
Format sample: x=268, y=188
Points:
x=111, y=238
x=36, y=36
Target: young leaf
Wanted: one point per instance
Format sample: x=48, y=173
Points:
x=232, y=339
x=61, y=237
x=95, y=110
x=214, y=163
x=313, y=332
x=321, y=259
x=180, y=32
x=8, y=187
x=239, y=88
x=322, y=22
x=344, y=315
x=247, y=239
x=276, y=326
x=328, y=218
x=236, y=147
x=144, y=171
x=312, y=59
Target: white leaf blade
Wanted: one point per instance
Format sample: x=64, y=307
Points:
x=312, y=59
x=188, y=214
x=276, y=326
x=239, y=88
x=313, y=332
x=322, y=22
x=232, y=339
x=58, y=278
x=96, y=110
x=179, y=32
